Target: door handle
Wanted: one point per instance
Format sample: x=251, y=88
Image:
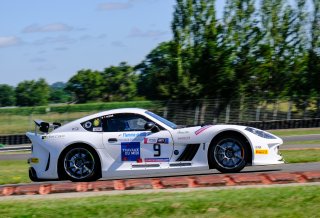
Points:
x=112, y=140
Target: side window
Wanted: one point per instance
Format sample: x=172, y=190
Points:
x=124, y=122
x=93, y=125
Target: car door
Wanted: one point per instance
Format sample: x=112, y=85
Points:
x=126, y=140
x=157, y=147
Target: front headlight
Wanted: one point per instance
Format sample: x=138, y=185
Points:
x=260, y=133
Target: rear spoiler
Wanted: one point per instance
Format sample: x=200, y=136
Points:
x=45, y=126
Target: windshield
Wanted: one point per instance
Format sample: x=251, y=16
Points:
x=162, y=120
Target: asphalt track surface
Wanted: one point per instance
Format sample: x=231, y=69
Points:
x=301, y=138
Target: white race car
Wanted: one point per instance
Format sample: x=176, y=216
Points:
x=134, y=142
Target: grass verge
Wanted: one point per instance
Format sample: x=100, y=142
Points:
x=301, y=201
x=13, y=171
x=301, y=156
x=291, y=132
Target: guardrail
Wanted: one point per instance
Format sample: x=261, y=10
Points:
x=283, y=124
x=12, y=148
x=17, y=139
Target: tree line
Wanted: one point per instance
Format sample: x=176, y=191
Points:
x=262, y=49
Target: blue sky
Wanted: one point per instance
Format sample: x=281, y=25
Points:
x=55, y=39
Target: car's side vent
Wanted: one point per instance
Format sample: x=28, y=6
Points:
x=48, y=163
x=189, y=152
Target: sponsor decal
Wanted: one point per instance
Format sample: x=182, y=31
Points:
x=96, y=122
x=183, y=132
x=134, y=135
x=130, y=151
x=97, y=129
x=202, y=129
x=261, y=151
x=150, y=140
x=156, y=159
x=184, y=138
x=156, y=140
x=107, y=116
x=75, y=129
x=49, y=137
x=163, y=140
x=88, y=125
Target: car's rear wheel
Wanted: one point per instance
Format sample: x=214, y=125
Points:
x=228, y=153
x=80, y=163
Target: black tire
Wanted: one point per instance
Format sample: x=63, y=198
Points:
x=79, y=163
x=33, y=175
x=228, y=153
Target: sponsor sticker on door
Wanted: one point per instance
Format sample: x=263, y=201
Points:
x=130, y=151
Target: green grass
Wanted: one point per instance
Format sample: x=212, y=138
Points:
x=291, y=132
x=88, y=107
x=13, y=124
x=13, y=171
x=302, y=201
x=301, y=156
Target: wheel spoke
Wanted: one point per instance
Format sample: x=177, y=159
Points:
x=87, y=169
x=219, y=146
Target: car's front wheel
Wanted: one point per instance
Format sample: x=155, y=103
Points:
x=228, y=153
x=80, y=163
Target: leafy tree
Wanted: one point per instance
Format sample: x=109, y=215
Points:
x=298, y=85
x=156, y=78
x=186, y=82
x=242, y=36
x=313, y=64
x=120, y=82
x=32, y=93
x=7, y=95
x=275, y=53
x=86, y=86
x=58, y=94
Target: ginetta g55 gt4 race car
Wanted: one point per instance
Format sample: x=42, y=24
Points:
x=131, y=142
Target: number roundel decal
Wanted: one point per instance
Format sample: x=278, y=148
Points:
x=88, y=125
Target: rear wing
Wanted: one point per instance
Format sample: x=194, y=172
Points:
x=44, y=127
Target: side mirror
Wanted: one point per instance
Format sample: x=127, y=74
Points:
x=150, y=126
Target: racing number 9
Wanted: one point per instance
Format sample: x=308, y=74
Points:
x=157, y=150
